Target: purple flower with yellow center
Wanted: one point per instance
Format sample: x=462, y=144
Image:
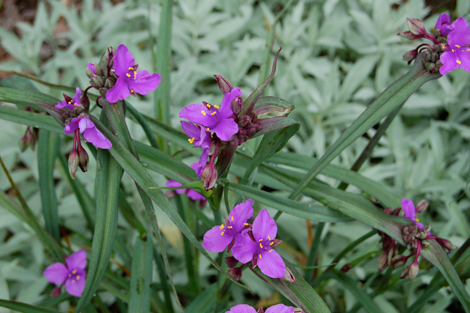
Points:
x=214, y=118
x=278, y=308
x=219, y=237
x=443, y=24
x=70, y=103
x=88, y=131
x=71, y=274
x=409, y=209
x=457, y=51
x=130, y=81
x=258, y=247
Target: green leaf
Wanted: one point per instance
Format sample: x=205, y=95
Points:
x=307, y=211
x=390, y=99
x=25, y=308
x=30, y=119
x=48, y=148
x=299, y=292
x=108, y=178
x=272, y=124
x=352, y=286
x=32, y=98
x=204, y=301
x=139, y=301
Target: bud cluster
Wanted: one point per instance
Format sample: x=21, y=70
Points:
x=102, y=76
x=29, y=138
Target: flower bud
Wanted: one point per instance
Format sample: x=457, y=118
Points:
x=231, y=261
x=85, y=102
x=346, y=268
x=224, y=85
x=235, y=273
x=109, y=83
x=288, y=276
x=416, y=26
x=24, y=143
x=410, y=56
x=260, y=310
x=96, y=80
x=89, y=72
x=56, y=292
x=73, y=163
x=103, y=91
x=243, y=121
x=421, y=206
x=404, y=273
x=447, y=244
x=382, y=262
x=414, y=269
x=209, y=176
x=298, y=310
x=82, y=159
x=399, y=262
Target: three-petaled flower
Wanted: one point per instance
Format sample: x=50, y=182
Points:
x=71, y=274
x=457, y=51
x=70, y=103
x=409, y=209
x=219, y=237
x=130, y=81
x=278, y=308
x=214, y=118
x=89, y=132
x=258, y=246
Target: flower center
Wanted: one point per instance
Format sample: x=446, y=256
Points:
x=265, y=245
x=71, y=102
x=74, y=276
x=131, y=72
x=229, y=227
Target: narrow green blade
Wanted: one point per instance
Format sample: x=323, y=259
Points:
x=139, y=298
x=25, y=308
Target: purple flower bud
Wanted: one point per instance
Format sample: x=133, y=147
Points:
x=382, y=262
x=231, y=261
x=224, y=85
x=421, y=206
x=346, y=268
x=414, y=269
x=416, y=27
x=447, y=244
x=209, y=176
x=260, y=310
x=235, y=273
x=73, y=163
x=410, y=56
x=399, y=262
x=289, y=276
x=83, y=159
x=56, y=292
x=85, y=102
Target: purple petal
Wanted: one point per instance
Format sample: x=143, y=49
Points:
x=204, y=139
x=119, y=91
x=173, y=183
x=191, y=130
x=78, y=94
x=77, y=260
x=225, y=129
x=94, y=136
x=64, y=104
x=56, y=273
x=91, y=67
x=244, y=248
x=202, y=162
x=72, y=126
x=195, y=166
x=225, y=110
x=461, y=33
x=264, y=226
x=449, y=62
x=145, y=82
x=214, y=241
x=75, y=284
x=443, y=24
x=409, y=208
x=463, y=56
x=240, y=214
x=199, y=114
x=241, y=308
x=122, y=61
x=271, y=264
x=280, y=308
x=194, y=195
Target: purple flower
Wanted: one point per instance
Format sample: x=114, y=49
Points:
x=70, y=103
x=219, y=237
x=443, y=24
x=244, y=308
x=72, y=273
x=89, y=132
x=456, y=54
x=214, y=118
x=258, y=248
x=130, y=81
x=91, y=67
x=410, y=212
x=192, y=194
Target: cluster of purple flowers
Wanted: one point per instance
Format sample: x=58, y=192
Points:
x=248, y=242
x=414, y=236
x=451, y=43
x=278, y=308
x=72, y=274
x=116, y=78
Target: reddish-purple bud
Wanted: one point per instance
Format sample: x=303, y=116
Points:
x=82, y=159
x=399, y=262
x=56, y=292
x=224, y=85
x=382, y=262
x=421, y=206
x=346, y=268
x=414, y=269
x=235, y=273
x=209, y=176
x=416, y=27
x=288, y=276
x=260, y=310
x=73, y=163
x=447, y=244
x=231, y=261
x=85, y=102
x=404, y=273
x=410, y=56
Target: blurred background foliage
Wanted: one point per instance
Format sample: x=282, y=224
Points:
x=337, y=57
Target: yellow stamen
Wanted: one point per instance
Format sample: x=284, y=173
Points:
x=457, y=46
x=261, y=240
x=459, y=62
x=231, y=218
x=70, y=102
x=78, y=277
x=271, y=243
x=73, y=281
x=269, y=238
x=468, y=49
x=453, y=50
x=191, y=140
x=222, y=226
x=260, y=245
x=132, y=90
x=222, y=234
x=131, y=68
x=229, y=227
x=207, y=127
x=260, y=256
x=135, y=74
x=74, y=271
x=417, y=220
x=217, y=107
x=208, y=105
x=203, y=113
x=128, y=75
x=213, y=113
x=70, y=275
x=270, y=251
x=246, y=224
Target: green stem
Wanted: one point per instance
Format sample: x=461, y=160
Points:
x=314, y=252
